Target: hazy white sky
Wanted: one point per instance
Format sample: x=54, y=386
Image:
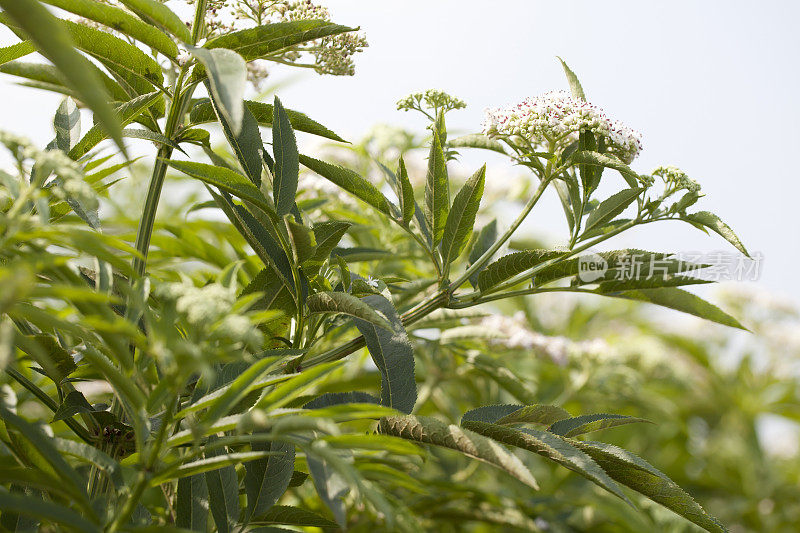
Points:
x=711, y=85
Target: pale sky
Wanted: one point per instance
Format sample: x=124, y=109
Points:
x=711, y=85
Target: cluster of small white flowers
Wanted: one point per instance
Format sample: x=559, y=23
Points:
x=513, y=333
x=433, y=99
x=70, y=182
x=212, y=307
x=556, y=117
x=676, y=179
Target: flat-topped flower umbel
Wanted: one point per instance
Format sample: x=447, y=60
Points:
x=557, y=118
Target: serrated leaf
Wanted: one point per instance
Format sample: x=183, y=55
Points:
x=432, y=431
x=55, y=43
x=574, y=84
x=508, y=414
x=261, y=41
x=477, y=140
x=224, y=179
x=327, y=234
x=349, y=181
x=148, y=135
x=304, y=242
x=512, y=264
x=287, y=164
x=121, y=21
x=347, y=304
x=654, y=282
x=267, y=479
x=15, y=51
x=461, y=218
x=227, y=74
x=713, y=222
x=392, y=353
x=642, y=477
x=485, y=239
x=406, y=196
x=551, y=446
x=611, y=207
x=157, y=13
x=127, y=113
x=681, y=300
x=437, y=192
x=263, y=113
x=246, y=144
x=294, y=516
x=192, y=503
x=571, y=427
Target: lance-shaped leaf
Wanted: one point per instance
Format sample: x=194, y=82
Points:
x=223, y=489
x=611, y=207
x=275, y=295
x=192, y=503
x=405, y=193
x=346, y=304
x=327, y=234
x=263, y=113
x=120, y=20
x=227, y=73
x=393, y=354
x=551, y=446
x=15, y=51
x=224, y=179
x=54, y=42
x=295, y=516
x=266, y=480
x=654, y=282
x=304, y=242
x=148, y=135
x=261, y=41
x=571, y=427
x=437, y=191
x=330, y=484
x=642, y=477
x=127, y=114
x=247, y=144
x=222, y=461
x=681, y=300
x=574, y=85
x=485, y=239
x=509, y=414
x=67, y=124
x=94, y=456
x=42, y=510
x=461, y=218
x=432, y=431
x=157, y=13
x=287, y=164
x=713, y=222
x=350, y=182
x=512, y=264
x=477, y=140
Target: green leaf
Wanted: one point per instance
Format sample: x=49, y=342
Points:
x=461, y=219
x=485, y=239
x=261, y=41
x=327, y=234
x=437, y=191
x=587, y=157
x=509, y=414
x=574, y=85
x=92, y=455
x=347, y=304
x=127, y=113
x=73, y=403
x=121, y=21
x=148, y=135
x=263, y=113
x=304, y=243
x=267, y=479
x=611, y=207
x=275, y=296
x=294, y=516
x=224, y=179
x=350, y=182
x=192, y=503
x=551, y=446
x=40, y=509
x=393, y=354
x=432, y=431
x=287, y=164
x=223, y=489
x=220, y=463
x=713, y=222
x=683, y=301
x=155, y=12
x=571, y=427
x=15, y=51
x=642, y=477
x=653, y=282
x=54, y=42
x=247, y=144
x=227, y=73
x=406, y=196
x=477, y=140
x=512, y=264
x=331, y=486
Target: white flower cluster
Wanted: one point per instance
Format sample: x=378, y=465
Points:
x=558, y=118
x=513, y=333
x=676, y=179
x=211, y=309
x=69, y=182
